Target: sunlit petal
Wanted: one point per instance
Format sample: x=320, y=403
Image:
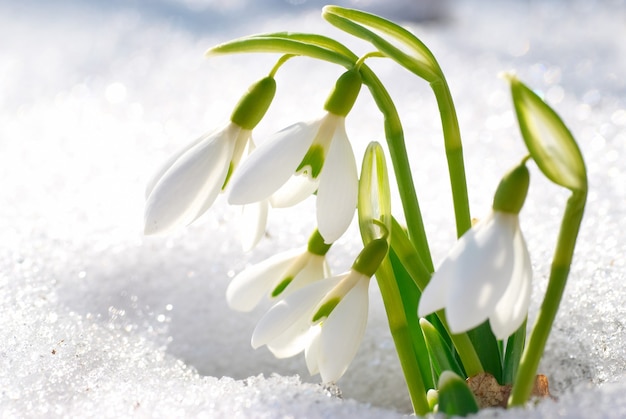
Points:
x=253, y=223
x=271, y=164
x=293, y=340
x=288, y=311
x=311, y=352
x=194, y=180
x=298, y=188
x=337, y=193
x=248, y=288
x=342, y=332
x=434, y=295
x=483, y=271
x=512, y=308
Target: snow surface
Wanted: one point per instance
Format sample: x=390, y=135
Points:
x=98, y=320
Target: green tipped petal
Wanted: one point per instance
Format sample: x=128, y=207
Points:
x=550, y=143
x=374, y=203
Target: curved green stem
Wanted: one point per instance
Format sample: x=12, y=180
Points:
x=454, y=155
x=559, y=272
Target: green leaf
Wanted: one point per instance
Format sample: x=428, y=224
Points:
x=440, y=352
x=403, y=47
x=374, y=204
x=488, y=350
x=514, y=349
x=455, y=397
x=550, y=143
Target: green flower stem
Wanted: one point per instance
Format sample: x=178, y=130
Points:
x=398, y=325
x=413, y=264
x=454, y=155
x=401, y=166
x=559, y=271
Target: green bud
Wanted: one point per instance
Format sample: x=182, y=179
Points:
x=374, y=202
x=316, y=244
x=512, y=190
x=344, y=94
x=550, y=143
x=253, y=105
x=455, y=397
x=371, y=257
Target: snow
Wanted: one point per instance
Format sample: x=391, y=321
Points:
x=99, y=320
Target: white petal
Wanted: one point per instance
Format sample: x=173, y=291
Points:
x=512, y=308
x=337, y=193
x=172, y=159
x=292, y=341
x=272, y=164
x=311, y=352
x=248, y=288
x=436, y=292
x=253, y=224
x=315, y=269
x=287, y=312
x=342, y=332
x=298, y=188
x=483, y=271
x=192, y=182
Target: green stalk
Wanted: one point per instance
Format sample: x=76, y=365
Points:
x=454, y=155
x=559, y=271
x=402, y=338
x=401, y=166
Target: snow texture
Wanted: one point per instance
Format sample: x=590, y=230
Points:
x=98, y=320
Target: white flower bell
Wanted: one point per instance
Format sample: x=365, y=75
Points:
x=327, y=318
x=304, y=158
x=279, y=275
x=190, y=181
x=488, y=273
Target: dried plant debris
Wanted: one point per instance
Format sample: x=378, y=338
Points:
x=489, y=393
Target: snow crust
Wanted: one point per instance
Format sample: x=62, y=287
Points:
x=98, y=320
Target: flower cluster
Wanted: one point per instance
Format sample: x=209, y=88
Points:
x=464, y=319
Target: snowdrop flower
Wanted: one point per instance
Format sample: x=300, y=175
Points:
x=279, y=275
x=327, y=318
x=189, y=182
x=487, y=274
x=308, y=157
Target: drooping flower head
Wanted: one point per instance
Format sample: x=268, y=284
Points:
x=279, y=275
x=488, y=273
x=308, y=157
x=189, y=182
x=326, y=319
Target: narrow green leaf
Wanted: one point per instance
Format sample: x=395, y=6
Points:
x=403, y=47
x=488, y=350
x=550, y=143
x=274, y=44
x=410, y=297
x=514, y=349
x=455, y=397
x=440, y=352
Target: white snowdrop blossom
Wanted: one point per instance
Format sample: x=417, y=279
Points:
x=488, y=272
x=327, y=319
x=296, y=162
x=275, y=277
x=190, y=181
